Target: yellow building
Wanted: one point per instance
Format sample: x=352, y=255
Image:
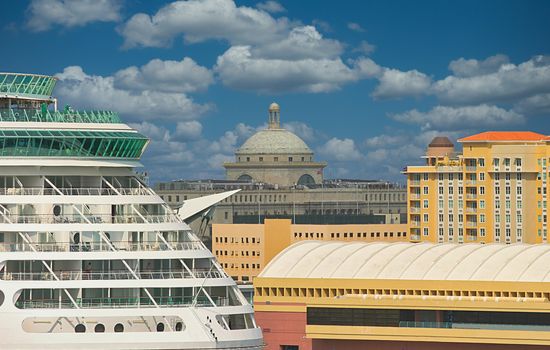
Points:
x=244, y=250
x=495, y=191
x=338, y=295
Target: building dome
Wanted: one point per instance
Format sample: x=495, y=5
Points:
x=441, y=141
x=274, y=107
x=274, y=141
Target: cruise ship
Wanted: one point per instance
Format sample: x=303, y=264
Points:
x=90, y=256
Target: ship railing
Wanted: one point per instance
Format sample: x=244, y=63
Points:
x=110, y=275
x=113, y=303
x=99, y=246
x=94, y=219
x=80, y=191
x=69, y=116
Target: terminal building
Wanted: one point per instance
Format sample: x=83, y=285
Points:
x=244, y=250
x=494, y=191
x=280, y=178
x=355, y=295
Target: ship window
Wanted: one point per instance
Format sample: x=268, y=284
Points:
x=119, y=328
x=80, y=328
x=1, y=298
x=160, y=327
x=179, y=326
x=99, y=328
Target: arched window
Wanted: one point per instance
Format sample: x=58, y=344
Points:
x=306, y=179
x=245, y=177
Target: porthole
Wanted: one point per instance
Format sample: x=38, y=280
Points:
x=1, y=298
x=179, y=326
x=119, y=328
x=99, y=328
x=80, y=328
x=160, y=327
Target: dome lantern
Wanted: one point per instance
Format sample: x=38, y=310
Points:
x=274, y=121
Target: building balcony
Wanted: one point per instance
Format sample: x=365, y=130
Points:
x=99, y=246
x=471, y=224
x=415, y=237
x=470, y=182
x=471, y=210
x=414, y=210
x=47, y=116
x=471, y=196
x=414, y=196
x=414, y=182
x=415, y=223
x=471, y=237
x=470, y=168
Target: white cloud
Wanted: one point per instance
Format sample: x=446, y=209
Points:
x=166, y=76
x=43, y=14
x=341, y=150
x=202, y=20
x=509, y=83
x=455, y=118
x=384, y=140
x=534, y=105
x=395, y=83
x=356, y=27
x=239, y=69
x=99, y=92
x=303, y=130
x=365, y=48
x=302, y=42
x=470, y=68
x=189, y=130
x=271, y=6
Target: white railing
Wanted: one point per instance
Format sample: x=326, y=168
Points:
x=80, y=191
x=99, y=246
x=111, y=275
x=94, y=219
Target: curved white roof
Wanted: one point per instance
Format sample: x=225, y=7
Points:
x=412, y=261
x=274, y=141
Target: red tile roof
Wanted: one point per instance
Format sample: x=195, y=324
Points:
x=505, y=136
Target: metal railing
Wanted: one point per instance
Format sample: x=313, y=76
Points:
x=471, y=224
x=413, y=324
x=94, y=219
x=471, y=196
x=414, y=196
x=110, y=275
x=414, y=210
x=471, y=210
x=113, y=303
x=99, y=246
x=415, y=237
x=70, y=116
x=471, y=168
x=80, y=191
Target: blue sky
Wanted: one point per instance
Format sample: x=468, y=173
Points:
x=367, y=84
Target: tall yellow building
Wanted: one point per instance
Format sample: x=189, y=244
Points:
x=495, y=191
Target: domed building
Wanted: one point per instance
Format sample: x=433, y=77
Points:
x=275, y=156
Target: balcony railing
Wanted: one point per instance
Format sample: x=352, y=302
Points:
x=414, y=196
x=471, y=196
x=414, y=210
x=471, y=237
x=111, y=275
x=415, y=237
x=81, y=191
x=35, y=115
x=470, y=182
x=471, y=168
x=471, y=210
x=94, y=219
x=113, y=303
x=471, y=224
x=414, y=182
x=99, y=246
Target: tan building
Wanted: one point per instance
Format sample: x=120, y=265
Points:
x=356, y=296
x=495, y=191
x=244, y=250
x=275, y=156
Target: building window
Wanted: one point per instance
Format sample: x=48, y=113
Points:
x=426, y=231
x=426, y=190
x=276, y=159
x=425, y=204
x=290, y=159
x=495, y=162
x=482, y=232
x=261, y=159
x=248, y=159
x=482, y=204
x=426, y=176
x=481, y=162
x=425, y=217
